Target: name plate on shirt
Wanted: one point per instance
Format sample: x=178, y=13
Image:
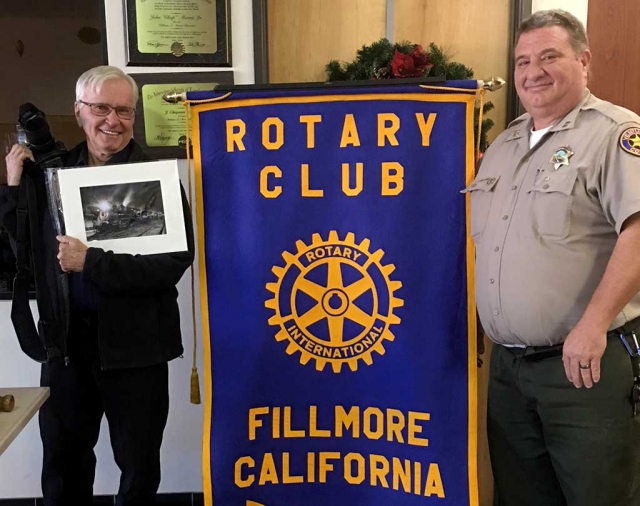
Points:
x=133, y=208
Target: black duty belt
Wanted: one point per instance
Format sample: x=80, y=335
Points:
x=537, y=353
x=627, y=333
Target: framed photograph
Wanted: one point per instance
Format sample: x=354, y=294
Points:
x=159, y=126
x=189, y=33
x=132, y=208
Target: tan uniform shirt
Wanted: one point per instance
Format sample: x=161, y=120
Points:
x=544, y=230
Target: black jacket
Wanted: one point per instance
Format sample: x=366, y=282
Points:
x=138, y=317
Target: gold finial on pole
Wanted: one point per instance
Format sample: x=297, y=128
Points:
x=174, y=97
x=493, y=84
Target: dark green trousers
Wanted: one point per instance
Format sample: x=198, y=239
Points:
x=552, y=444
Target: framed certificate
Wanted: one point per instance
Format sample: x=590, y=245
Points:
x=178, y=33
x=159, y=126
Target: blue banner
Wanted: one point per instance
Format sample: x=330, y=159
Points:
x=337, y=298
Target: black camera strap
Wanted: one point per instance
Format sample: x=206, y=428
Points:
x=38, y=343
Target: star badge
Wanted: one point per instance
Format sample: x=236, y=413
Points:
x=561, y=157
x=630, y=140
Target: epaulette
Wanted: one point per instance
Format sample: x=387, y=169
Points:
x=617, y=114
x=519, y=119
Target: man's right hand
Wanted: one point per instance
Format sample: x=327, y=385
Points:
x=15, y=161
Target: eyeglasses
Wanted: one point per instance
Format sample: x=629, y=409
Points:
x=122, y=111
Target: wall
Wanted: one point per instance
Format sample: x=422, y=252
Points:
x=181, y=452
x=615, y=44
x=578, y=8
x=45, y=41
x=51, y=49
x=317, y=35
x=464, y=37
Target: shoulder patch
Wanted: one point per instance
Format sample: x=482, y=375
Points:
x=630, y=140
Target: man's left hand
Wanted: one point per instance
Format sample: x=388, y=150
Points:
x=581, y=354
x=71, y=254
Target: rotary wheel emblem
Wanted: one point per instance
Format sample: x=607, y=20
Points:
x=334, y=302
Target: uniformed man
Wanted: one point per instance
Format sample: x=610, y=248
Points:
x=556, y=223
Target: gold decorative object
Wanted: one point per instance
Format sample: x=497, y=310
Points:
x=174, y=97
x=177, y=49
x=7, y=403
x=493, y=84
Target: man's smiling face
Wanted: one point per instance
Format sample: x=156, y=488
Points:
x=549, y=76
x=106, y=135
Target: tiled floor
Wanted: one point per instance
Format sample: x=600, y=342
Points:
x=196, y=499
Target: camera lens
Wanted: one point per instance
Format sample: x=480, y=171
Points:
x=36, y=128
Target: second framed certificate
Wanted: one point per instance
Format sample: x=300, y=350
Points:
x=159, y=126
x=178, y=33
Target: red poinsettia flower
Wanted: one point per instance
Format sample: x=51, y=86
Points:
x=413, y=64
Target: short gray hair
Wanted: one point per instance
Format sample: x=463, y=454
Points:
x=94, y=78
x=557, y=17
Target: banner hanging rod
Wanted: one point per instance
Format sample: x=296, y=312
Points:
x=491, y=84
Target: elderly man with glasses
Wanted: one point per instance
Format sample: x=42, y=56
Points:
x=124, y=323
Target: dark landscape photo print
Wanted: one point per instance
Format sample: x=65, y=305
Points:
x=123, y=211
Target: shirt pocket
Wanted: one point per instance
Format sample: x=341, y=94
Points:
x=481, y=192
x=551, y=201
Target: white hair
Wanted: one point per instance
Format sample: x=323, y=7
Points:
x=94, y=78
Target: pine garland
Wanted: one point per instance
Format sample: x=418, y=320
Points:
x=380, y=61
